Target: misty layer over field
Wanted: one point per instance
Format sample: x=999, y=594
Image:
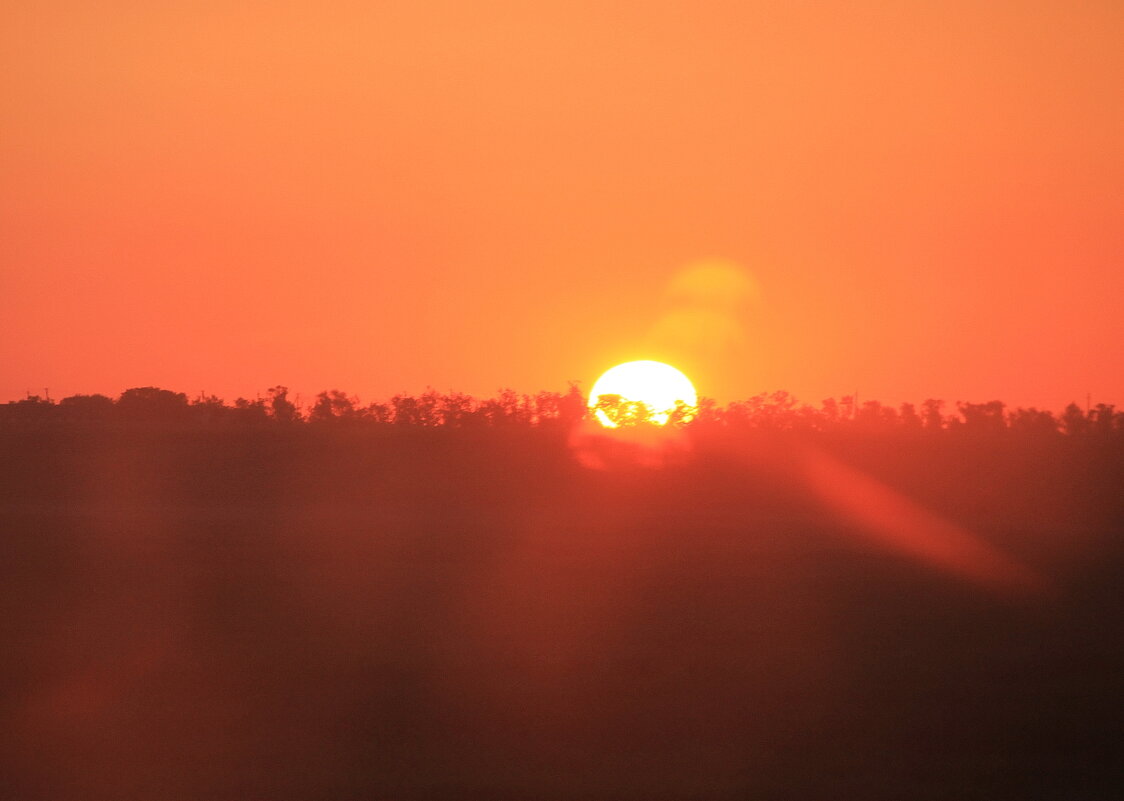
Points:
x=403, y=612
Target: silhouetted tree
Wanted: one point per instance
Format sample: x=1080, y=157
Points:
x=982, y=417
x=86, y=408
x=830, y=410
x=152, y=405
x=572, y=407
x=508, y=407
x=31, y=410
x=743, y=413
x=456, y=409
x=931, y=414
x=207, y=409
x=1074, y=422
x=909, y=418
x=1032, y=421
x=681, y=414
x=1101, y=419
x=415, y=411
x=281, y=408
x=547, y=407
x=333, y=406
x=874, y=415
x=708, y=413
x=623, y=413
x=778, y=410
x=429, y=408
x=375, y=412
x=249, y=412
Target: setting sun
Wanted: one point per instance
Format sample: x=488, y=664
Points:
x=654, y=388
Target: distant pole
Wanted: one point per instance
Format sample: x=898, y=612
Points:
x=47, y=394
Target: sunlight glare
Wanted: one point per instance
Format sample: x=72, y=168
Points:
x=660, y=387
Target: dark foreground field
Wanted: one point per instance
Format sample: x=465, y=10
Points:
x=324, y=614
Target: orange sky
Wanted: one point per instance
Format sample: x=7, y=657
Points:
x=926, y=198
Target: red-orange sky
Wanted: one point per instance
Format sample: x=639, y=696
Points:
x=376, y=197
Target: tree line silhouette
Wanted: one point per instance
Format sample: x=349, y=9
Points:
x=777, y=411
x=343, y=588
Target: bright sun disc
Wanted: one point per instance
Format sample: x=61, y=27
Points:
x=660, y=387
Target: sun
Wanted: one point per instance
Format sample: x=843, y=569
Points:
x=642, y=391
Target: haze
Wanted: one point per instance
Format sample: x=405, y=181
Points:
x=203, y=197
